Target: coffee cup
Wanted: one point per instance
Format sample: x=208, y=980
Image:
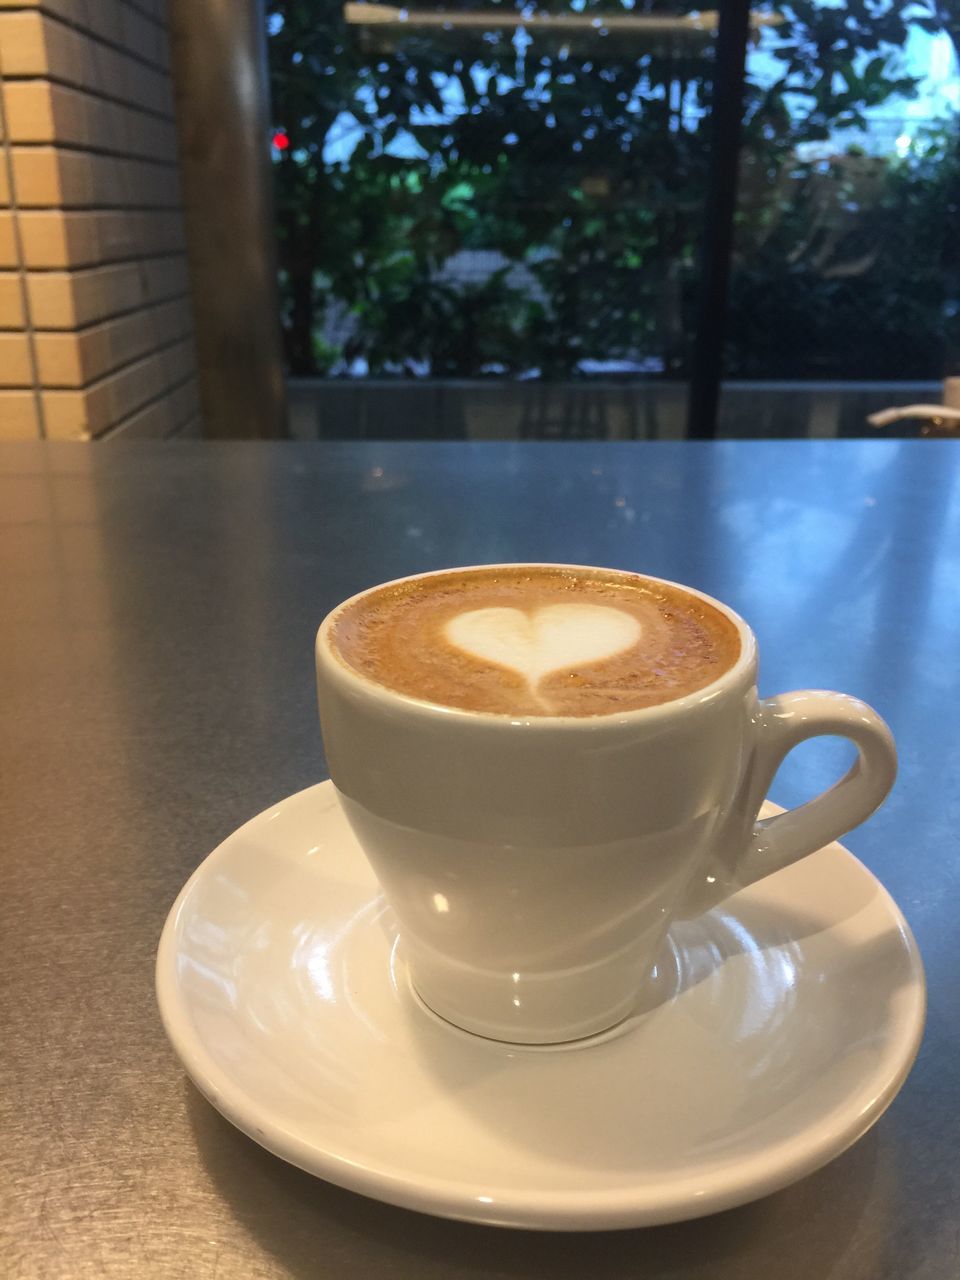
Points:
x=546, y=765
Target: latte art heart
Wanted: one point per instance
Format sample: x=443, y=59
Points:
x=535, y=640
x=540, y=642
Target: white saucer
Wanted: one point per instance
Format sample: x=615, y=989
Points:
x=787, y=1021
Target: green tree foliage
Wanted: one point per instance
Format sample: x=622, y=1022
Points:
x=848, y=276
x=582, y=160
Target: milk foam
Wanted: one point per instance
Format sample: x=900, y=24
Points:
x=536, y=640
x=538, y=643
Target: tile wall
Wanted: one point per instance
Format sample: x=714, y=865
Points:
x=95, y=322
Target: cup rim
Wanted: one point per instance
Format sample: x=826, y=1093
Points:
x=339, y=669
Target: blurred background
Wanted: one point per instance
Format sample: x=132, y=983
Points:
x=477, y=220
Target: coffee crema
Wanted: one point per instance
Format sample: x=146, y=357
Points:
x=536, y=640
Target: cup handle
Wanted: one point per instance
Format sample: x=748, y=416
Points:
x=759, y=847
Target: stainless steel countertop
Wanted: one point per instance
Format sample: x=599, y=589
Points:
x=157, y=610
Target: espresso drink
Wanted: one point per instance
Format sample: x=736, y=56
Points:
x=536, y=640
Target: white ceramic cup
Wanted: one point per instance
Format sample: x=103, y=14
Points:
x=534, y=865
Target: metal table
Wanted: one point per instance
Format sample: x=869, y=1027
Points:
x=157, y=610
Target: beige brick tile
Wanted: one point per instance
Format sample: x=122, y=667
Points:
x=15, y=366
x=174, y=414
x=67, y=300
x=11, y=300
x=81, y=415
x=18, y=416
x=53, y=177
x=35, y=45
x=8, y=243
x=120, y=24
x=53, y=239
x=38, y=111
x=74, y=359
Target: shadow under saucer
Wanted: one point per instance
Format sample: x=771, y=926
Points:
x=306, y=1228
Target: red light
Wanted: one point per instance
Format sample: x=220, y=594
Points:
x=280, y=140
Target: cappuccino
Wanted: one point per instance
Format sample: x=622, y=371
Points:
x=536, y=640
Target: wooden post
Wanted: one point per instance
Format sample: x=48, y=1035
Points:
x=221, y=88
